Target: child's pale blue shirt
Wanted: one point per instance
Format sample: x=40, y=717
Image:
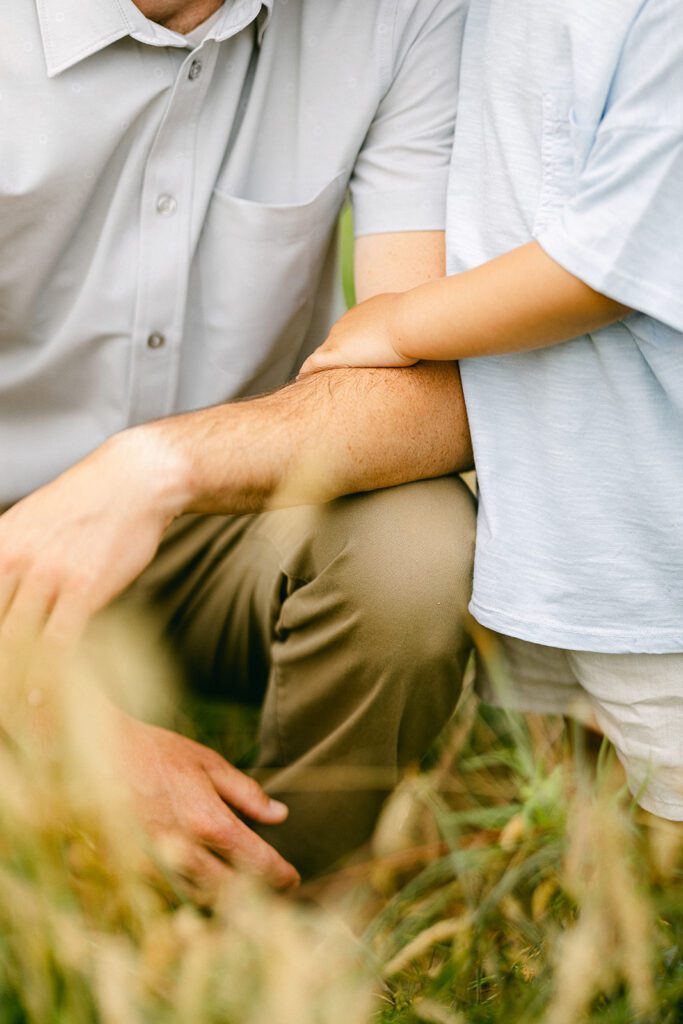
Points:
x=570, y=131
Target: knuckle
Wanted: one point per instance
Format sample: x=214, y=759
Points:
x=79, y=582
x=209, y=831
x=190, y=863
x=210, y=756
x=8, y=569
x=12, y=561
x=45, y=577
x=80, y=576
x=200, y=826
x=79, y=588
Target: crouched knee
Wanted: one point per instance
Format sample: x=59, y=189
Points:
x=402, y=559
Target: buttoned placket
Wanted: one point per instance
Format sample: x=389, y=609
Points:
x=164, y=246
x=164, y=249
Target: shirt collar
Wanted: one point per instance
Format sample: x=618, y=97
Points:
x=75, y=29
x=238, y=15
x=264, y=16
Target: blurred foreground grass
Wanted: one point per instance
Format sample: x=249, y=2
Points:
x=508, y=882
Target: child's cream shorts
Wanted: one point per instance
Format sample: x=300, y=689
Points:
x=635, y=699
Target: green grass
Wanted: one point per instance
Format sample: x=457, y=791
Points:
x=543, y=866
x=346, y=244
x=510, y=881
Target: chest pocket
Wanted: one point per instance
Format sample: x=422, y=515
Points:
x=565, y=147
x=258, y=270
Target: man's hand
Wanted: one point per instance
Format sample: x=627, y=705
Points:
x=187, y=793
x=365, y=336
x=69, y=548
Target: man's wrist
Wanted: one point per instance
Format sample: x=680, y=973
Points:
x=158, y=461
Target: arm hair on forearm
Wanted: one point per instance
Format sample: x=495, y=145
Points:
x=317, y=439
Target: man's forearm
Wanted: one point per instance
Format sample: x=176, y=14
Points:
x=317, y=439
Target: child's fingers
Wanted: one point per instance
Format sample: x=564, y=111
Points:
x=320, y=360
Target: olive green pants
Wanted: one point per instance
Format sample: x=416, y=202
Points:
x=347, y=622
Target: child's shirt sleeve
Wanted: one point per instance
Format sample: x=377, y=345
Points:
x=622, y=229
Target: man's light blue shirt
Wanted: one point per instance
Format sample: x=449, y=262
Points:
x=570, y=131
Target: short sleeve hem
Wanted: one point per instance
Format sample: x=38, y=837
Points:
x=386, y=212
x=584, y=263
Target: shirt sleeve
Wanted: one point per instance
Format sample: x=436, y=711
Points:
x=401, y=176
x=622, y=230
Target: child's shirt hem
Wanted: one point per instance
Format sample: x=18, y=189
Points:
x=601, y=640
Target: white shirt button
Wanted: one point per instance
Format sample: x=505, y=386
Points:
x=195, y=70
x=166, y=205
x=156, y=340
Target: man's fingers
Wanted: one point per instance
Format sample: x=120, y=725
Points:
x=225, y=834
x=203, y=867
x=67, y=622
x=320, y=360
x=244, y=793
x=8, y=588
x=254, y=855
x=202, y=873
x=27, y=614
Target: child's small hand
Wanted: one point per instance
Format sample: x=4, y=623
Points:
x=366, y=336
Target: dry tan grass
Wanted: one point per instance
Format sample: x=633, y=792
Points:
x=503, y=885
x=93, y=924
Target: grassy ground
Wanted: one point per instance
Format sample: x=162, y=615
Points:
x=549, y=903
x=510, y=881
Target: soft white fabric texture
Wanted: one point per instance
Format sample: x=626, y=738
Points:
x=570, y=130
x=635, y=699
x=167, y=214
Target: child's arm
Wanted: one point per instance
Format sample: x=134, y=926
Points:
x=522, y=300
